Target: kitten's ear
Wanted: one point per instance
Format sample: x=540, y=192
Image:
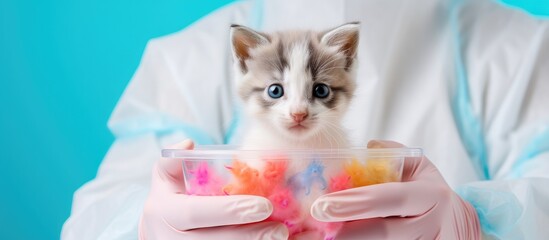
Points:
x=242, y=40
x=344, y=37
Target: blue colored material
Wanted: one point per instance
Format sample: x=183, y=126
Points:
x=314, y=174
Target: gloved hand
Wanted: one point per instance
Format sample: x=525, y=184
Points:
x=422, y=206
x=170, y=214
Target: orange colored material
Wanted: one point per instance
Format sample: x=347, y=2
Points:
x=246, y=180
x=271, y=182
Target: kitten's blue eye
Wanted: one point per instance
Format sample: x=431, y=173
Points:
x=321, y=91
x=275, y=91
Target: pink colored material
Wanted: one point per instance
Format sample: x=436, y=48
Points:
x=271, y=183
x=329, y=229
x=169, y=214
x=340, y=182
x=205, y=181
x=286, y=209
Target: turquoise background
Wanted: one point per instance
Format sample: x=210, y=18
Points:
x=63, y=66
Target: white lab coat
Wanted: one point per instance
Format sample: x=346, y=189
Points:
x=468, y=81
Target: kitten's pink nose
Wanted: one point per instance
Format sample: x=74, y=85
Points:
x=299, y=116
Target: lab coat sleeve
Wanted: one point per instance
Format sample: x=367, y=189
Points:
x=505, y=56
x=181, y=90
x=109, y=206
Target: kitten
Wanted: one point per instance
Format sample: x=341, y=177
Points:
x=295, y=85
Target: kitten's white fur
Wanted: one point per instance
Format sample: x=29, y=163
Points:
x=269, y=126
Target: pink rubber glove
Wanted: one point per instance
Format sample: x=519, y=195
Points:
x=170, y=214
x=422, y=206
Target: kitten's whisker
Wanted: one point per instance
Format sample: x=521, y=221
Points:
x=337, y=130
x=328, y=111
x=316, y=138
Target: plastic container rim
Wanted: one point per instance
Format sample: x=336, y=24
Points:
x=215, y=151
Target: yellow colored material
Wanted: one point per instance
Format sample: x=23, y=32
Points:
x=374, y=171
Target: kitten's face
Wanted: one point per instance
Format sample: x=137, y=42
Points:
x=296, y=83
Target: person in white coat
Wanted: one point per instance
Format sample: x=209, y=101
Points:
x=465, y=80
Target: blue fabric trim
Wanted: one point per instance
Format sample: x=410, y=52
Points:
x=498, y=211
x=469, y=127
x=257, y=15
x=538, y=145
x=235, y=122
x=160, y=126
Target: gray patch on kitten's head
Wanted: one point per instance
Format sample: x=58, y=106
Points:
x=298, y=61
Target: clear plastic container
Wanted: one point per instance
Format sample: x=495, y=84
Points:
x=290, y=179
